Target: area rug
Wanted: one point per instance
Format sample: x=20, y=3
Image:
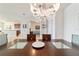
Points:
x=18, y=45
x=60, y=45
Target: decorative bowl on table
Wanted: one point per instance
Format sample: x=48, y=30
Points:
x=38, y=44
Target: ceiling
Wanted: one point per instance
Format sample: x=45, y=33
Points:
x=65, y=5
x=19, y=11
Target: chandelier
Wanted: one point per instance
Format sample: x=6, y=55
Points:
x=44, y=9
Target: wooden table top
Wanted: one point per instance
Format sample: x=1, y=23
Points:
x=48, y=50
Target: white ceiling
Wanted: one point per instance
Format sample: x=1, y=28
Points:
x=65, y=5
x=18, y=11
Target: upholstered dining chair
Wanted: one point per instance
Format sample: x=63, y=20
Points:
x=46, y=37
x=31, y=37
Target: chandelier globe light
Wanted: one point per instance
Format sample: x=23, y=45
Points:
x=44, y=9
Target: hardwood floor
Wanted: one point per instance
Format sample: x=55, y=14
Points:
x=48, y=50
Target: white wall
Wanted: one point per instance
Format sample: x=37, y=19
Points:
x=51, y=26
x=59, y=23
x=1, y=25
x=71, y=21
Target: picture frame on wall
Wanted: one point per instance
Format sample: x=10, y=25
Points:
x=24, y=25
x=37, y=27
x=43, y=26
x=17, y=26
